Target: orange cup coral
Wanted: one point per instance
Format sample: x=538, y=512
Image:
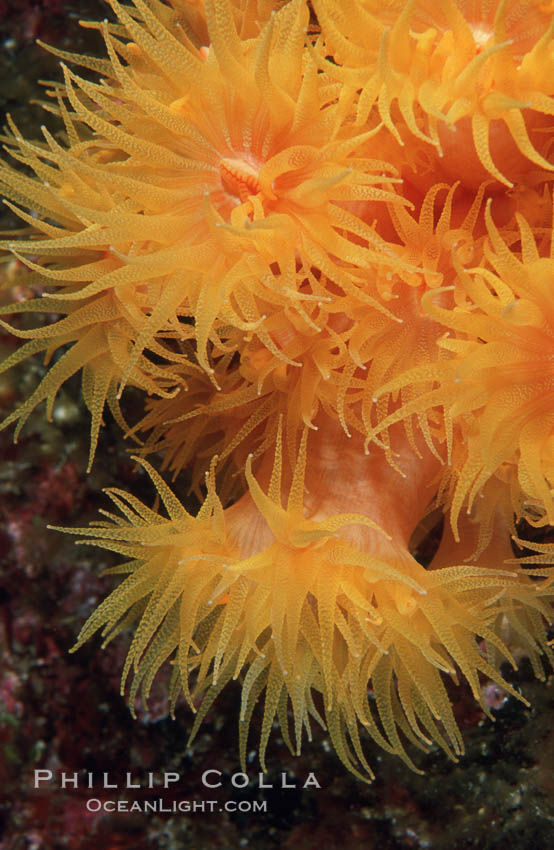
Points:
x=266, y=223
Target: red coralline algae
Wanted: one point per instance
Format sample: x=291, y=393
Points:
x=31, y=19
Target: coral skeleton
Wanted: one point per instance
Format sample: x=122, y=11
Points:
x=318, y=239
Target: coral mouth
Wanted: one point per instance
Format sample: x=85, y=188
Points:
x=239, y=178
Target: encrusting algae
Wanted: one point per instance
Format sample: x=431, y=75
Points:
x=319, y=238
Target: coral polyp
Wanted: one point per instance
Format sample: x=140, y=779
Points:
x=506, y=416
x=454, y=75
x=308, y=607
x=236, y=170
x=318, y=240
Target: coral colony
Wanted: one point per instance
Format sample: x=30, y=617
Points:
x=318, y=238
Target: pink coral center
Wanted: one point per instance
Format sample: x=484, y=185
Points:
x=239, y=177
